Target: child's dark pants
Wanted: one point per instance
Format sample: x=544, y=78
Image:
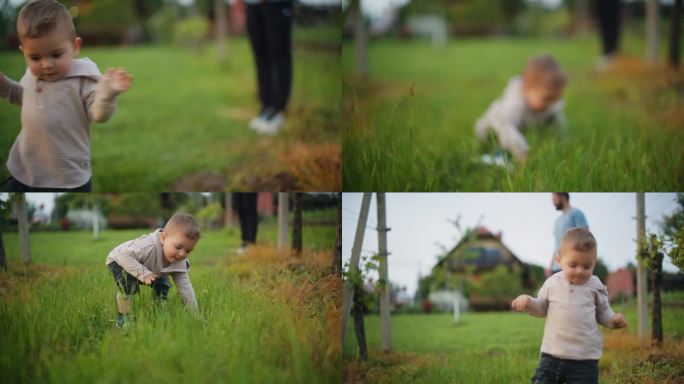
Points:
x=558, y=371
x=130, y=285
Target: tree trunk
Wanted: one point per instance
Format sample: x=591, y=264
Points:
x=358, y=322
x=581, y=16
x=675, y=34
x=228, y=222
x=297, y=224
x=221, y=28
x=657, y=324
x=651, y=31
x=22, y=218
x=385, y=326
x=360, y=39
x=3, y=262
x=337, y=259
x=283, y=217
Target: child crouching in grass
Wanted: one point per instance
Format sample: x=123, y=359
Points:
x=574, y=302
x=535, y=98
x=150, y=259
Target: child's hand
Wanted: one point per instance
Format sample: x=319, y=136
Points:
x=117, y=80
x=521, y=303
x=619, y=320
x=149, y=278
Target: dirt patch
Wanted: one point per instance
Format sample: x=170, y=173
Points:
x=316, y=167
x=384, y=367
x=19, y=275
x=202, y=181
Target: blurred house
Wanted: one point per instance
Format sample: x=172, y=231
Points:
x=478, y=256
x=433, y=27
x=620, y=283
x=484, y=251
x=83, y=219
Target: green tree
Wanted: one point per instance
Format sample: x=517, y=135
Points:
x=669, y=242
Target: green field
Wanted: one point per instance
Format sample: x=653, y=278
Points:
x=410, y=126
x=183, y=125
x=500, y=347
x=263, y=317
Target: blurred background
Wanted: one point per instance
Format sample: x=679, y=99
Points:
x=418, y=74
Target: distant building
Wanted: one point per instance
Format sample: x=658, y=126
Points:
x=620, y=283
x=480, y=252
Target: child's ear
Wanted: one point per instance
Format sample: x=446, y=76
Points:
x=77, y=45
x=162, y=235
x=558, y=258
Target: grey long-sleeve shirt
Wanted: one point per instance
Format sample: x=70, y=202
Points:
x=145, y=255
x=52, y=149
x=572, y=313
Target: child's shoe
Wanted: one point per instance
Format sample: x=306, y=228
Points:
x=123, y=321
x=498, y=159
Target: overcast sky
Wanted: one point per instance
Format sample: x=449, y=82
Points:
x=420, y=223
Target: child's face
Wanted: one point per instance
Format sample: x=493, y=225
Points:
x=578, y=266
x=540, y=97
x=176, y=245
x=49, y=57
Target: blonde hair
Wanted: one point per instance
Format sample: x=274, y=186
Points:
x=184, y=222
x=544, y=70
x=579, y=239
x=39, y=17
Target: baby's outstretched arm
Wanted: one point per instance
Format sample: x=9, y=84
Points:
x=10, y=90
x=114, y=82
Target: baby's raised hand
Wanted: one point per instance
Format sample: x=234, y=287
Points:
x=521, y=303
x=117, y=80
x=619, y=320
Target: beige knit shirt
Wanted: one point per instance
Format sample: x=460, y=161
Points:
x=572, y=313
x=144, y=255
x=53, y=148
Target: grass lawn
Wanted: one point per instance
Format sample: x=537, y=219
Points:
x=183, y=125
x=264, y=317
x=502, y=347
x=410, y=127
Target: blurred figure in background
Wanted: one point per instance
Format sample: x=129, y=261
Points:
x=269, y=26
x=609, y=24
x=245, y=203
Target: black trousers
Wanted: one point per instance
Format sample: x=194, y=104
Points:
x=269, y=26
x=14, y=185
x=246, y=206
x=609, y=23
x=129, y=285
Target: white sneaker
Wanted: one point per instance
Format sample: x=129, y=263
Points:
x=498, y=159
x=256, y=122
x=270, y=126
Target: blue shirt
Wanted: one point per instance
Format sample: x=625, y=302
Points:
x=570, y=219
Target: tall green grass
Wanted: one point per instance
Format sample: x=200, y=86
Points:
x=495, y=347
x=259, y=321
x=410, y=127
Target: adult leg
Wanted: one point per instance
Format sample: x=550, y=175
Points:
x=251, y=217
x=279, y=45
x=240, y=207
x=256, y=30
x=609, y=24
